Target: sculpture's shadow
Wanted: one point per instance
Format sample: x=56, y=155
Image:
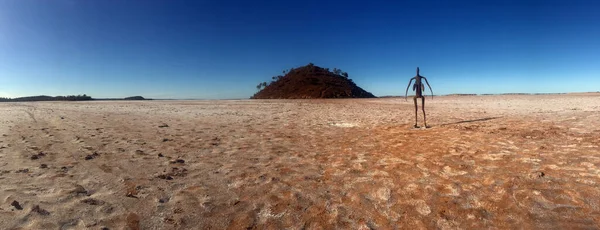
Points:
x=469, y=121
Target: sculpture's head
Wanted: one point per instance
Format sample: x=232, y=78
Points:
x=417, y=71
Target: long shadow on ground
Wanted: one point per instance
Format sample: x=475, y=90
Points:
x=469, y=121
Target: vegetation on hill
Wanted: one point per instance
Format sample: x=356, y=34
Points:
x=310, y=81
x=134, y=98
x=64, y=98
x=48, y=98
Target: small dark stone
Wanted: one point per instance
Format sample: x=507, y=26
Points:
x=23, y=171
x=16, y=205
x=160, y=155
x=35, y=157
x=166, y=177
x=79, y=190
x=537, y=175
x=105, y=228
x=163, y=126
x=180, y=161
x=40, y=210
x=166, y=139
x=92, y=201
x=62, y=118
x=43, y=166
x=89, y=157
x=130, y=194
x=41, y=154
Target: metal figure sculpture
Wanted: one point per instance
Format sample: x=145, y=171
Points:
x=418, y=87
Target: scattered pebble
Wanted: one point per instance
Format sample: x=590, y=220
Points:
x=163, y=126
x=180, y=161
x=79, y=190
x=92, y=156
x=166, y=139
x=37, y=156
x=537, y=175
x=43, y=166
x=16, y=205
x=92, y=201
x=130, y=194
x=40, y=210
x=166, y=177
x=160, y=155
x=23, y=171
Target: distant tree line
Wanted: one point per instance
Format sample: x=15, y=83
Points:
x=48, y=98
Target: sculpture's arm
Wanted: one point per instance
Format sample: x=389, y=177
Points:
x=429, y=87
x=406, y=95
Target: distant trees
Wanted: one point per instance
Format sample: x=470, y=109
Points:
x=339, y=72
x=49, y=98
x=261, y=85
x=72, y=98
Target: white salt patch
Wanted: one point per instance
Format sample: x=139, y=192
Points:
x=343, y=124
x=422, y=207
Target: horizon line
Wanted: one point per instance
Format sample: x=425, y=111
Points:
x=384, y=96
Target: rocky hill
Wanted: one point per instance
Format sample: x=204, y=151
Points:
x=308, y=82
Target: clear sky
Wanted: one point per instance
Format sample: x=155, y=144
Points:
x=222, y=49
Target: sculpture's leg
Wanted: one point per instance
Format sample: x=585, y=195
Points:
x=416, y=111
x=424, y=116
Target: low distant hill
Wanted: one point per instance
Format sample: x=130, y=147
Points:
x=134, y=98
x=310, y=81
x=48, y=98
x=65, y=98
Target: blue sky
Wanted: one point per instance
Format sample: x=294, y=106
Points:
x=222, y=49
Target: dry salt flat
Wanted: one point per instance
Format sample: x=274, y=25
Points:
x=518, y=161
